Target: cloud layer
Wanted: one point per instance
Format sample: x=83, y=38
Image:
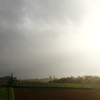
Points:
x=39, y=38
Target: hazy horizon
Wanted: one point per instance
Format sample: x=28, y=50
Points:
x=42, y=38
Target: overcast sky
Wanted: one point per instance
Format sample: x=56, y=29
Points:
x=42, y=38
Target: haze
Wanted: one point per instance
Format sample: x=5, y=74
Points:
x=42, y=38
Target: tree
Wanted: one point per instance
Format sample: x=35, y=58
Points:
x=11, y=80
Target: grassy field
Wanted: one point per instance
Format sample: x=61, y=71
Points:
x=52, y=85
x=3, y=93
x=57, y=85
x=7, y=92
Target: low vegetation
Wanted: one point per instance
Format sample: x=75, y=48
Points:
x=85, y=84
x=51, y=85
x=6, y=93
x=80, y=79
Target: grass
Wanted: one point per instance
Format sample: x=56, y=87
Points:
x=56, y=85
x=6, y=93
x=3, y=93
x=12, y=94
x=51, y=85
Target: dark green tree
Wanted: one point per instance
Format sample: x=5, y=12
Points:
x=11, y=80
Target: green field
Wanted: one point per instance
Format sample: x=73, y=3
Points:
x=52, y=85
x=6, y=91
x=57, y=85
x=3, y=93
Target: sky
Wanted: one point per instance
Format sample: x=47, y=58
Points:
x=42, y=38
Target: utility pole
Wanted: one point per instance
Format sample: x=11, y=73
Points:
x=11, y=78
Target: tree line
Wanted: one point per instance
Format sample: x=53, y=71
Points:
x=80, y=79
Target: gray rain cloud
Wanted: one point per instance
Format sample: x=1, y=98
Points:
x=39, y=38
